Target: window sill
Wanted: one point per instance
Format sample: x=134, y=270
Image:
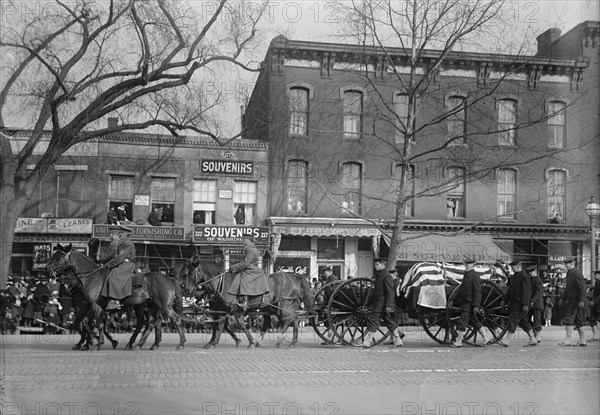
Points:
x=455, y=218
x=512, y=220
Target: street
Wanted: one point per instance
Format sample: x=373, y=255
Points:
x=42, y=375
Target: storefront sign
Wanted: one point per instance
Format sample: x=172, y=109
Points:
x=150, y=233
x=220, y=166
x=142, y=200
x=65, y=225
x=41, y=255
x=206, y=234
x=31, y=225
x=300, y=266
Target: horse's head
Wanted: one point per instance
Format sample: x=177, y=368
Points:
x=58, y=261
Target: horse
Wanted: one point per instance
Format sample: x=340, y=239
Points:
x=286, y=292
x=152, y=290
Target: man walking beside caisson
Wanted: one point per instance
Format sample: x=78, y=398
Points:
x=573, y=303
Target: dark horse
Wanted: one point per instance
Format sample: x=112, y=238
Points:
x=153, y=290
x=286, y=292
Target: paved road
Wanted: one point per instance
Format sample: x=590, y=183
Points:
x=41, y=375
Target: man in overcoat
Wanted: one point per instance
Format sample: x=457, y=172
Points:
x=536, y=307
x=120, y=259
x=518, y=297
x=383, y=306
x=595, y=306
x=469, y=300
x=573, y=303
x=250, y=280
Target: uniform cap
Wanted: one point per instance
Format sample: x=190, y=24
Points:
x=512, y=264
x=469, y=261
x=532, y=268
x=382, y=260
x=569, y=260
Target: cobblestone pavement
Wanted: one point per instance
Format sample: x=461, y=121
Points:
x=40, y=374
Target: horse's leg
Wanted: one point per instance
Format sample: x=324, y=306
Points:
x=114, y=342
x=217, y=329
x=157, y=336
x=231, y=332
x=150, y=319
x=174, y=317
x=263, y=329
x=239, y=317
x=140, y=321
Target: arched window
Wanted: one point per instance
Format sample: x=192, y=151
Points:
x=557, y=195
x=352, y=188
x=507, y=122
x=557, y=124
x=457, y=107
x=298, y=101
x=507, y=192
x=353, y=114
x=297, y=183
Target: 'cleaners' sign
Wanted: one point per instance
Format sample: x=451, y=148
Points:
x=220, y=166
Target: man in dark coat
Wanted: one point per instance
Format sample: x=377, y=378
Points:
x=595, y=306
x=536, y=307
x=469, y=300
x=154, y=217
x=250, y=279
x=573, y=303
x=383, y=305
x=518, y=297
x=120, y=259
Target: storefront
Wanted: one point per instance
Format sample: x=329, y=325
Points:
x=35, y=239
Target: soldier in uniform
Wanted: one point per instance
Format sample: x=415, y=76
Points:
x=537, y=301
x=469, y=301
x=573, y=302
x=251, y=280
x=518, y=297
x=120, y=259
x=383, y=306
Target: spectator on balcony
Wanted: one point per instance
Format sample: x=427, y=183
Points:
x=154, y=216
x=111, y=216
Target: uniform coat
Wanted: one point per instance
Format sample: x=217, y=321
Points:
x=537, y=293
x=120, y=259
x=469, y=292
x=251, y=280
x=518, y=296
x=575, y=288
x=383, y=296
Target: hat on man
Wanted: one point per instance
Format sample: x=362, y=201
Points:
x=597, y=272
x=328, y=268
x=382, y=260
x=469, y=261
x=532, y=268
x=569, y=260
x=515, y=263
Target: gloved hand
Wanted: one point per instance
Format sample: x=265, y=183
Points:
x=476, y=310
x=526, y=308
x=389, y=309
x=580, y=304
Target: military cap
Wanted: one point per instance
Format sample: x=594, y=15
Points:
x=569, y=260
x=532, y=268
x=514, y=263
x=469, y=261
x=382, y=260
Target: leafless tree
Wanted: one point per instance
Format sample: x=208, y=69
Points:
x=67, y=66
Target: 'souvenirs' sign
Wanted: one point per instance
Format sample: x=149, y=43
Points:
x=220, y=166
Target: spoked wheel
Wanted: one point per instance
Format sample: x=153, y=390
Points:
x=349, y=312
x=320, y=322
x=437, y=326
x=493, y=314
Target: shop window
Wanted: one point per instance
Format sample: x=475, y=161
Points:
x=455, y=195
x=351, y=188
x=244, y=203
x=163, y=197
x=556, y=124
x=353, y=114
x=556, y=185
x=297, y=186
x=205, y=201
x=330, y=248
x=507, y=122
x=298, y=100
x=294, y=243
x=507, y=189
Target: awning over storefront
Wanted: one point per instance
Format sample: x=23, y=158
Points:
x=344, y=227
x=456, y=248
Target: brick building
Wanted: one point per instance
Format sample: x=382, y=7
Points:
x=521, y=165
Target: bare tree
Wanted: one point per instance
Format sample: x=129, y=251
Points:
x=72, y=64
x=416, y=50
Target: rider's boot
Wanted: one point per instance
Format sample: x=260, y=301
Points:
x=459, y=339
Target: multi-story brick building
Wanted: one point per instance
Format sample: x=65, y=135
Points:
x=334, y=154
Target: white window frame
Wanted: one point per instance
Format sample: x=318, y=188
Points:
x=557, y=123
x=162, y=196
x=352, y=184
x=507, y=194
x=205, y=200
x=297, y=186
x=353, y=117
x=507, y=122
x=299, y=97
x=456, y=193
x=557, y=194
x=245, y=195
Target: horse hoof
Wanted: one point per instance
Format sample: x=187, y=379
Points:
x=115, y=344
x=128, y=346
x=209, y=346
x=85, y=348
x=138, y=347
x=237, y=343
x=154, y=347
x=179, y=347
x=292, y=346
x=251, y=346
x=76, y=347
x=95, y=348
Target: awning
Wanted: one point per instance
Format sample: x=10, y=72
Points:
x=441, y=248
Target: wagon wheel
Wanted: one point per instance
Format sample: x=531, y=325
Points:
x=320, y=322
x=493, y=314
x=349, y=311
x=436, y=323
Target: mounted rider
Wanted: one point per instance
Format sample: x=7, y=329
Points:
x=250, y=280
x=120, y=259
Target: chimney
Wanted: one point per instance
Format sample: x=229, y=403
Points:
x=545, y=41
x=113, y=122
